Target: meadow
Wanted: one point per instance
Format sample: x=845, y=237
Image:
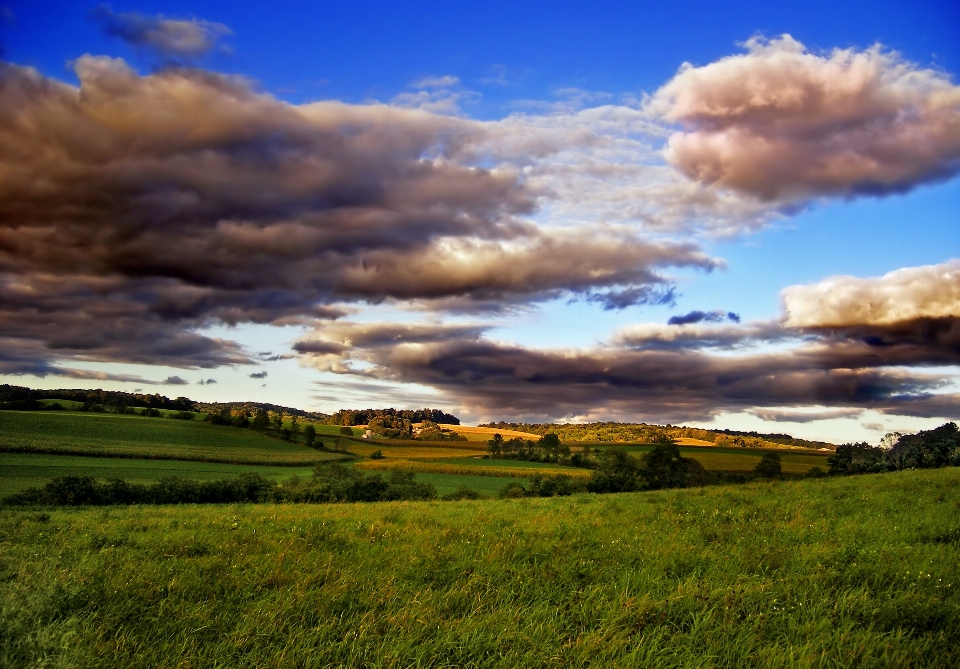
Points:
x=112, y=435
x=838, y=572
x=22, y=471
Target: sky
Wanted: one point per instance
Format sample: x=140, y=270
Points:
x=736, y=215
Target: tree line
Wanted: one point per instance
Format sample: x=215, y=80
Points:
x=364, y=416
x=926, y=449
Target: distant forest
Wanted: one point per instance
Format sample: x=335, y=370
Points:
x=364, y=416
x=642, y=432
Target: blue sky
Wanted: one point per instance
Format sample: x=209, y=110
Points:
x=564, y=99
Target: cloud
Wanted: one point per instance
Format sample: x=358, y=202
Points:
x=207, y=382
x=258, y=375
x=803, y=417
x=494, y=378
x=781, y=123
x=445, y=81
x=703, y=317
x=909, y=294
x=175, y=381
x=183, y=38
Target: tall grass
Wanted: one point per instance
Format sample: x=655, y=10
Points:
x=842, y=572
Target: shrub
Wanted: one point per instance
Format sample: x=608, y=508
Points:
x=769, y=466
x=378, y=455
x=346, y=431
x=462, y=493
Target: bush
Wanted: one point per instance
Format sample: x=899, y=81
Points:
x=183, y=415
x=512, y=490
x=378, y=455
x=769, y=466
x=462, y=493
x=346, y=431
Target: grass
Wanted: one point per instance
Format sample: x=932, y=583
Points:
x=21, y=471
x=488, y=486
x=113, y=435
x=442, y=467
x=852, y=572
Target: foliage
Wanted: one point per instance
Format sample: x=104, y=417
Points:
x=391, y=426
x=87, y=491
x=364, y=416
x=310, y=435
x=346, y=431
x=661, y=467
x=377, y=455
x=769, y=466
x=927, y=449
x=111, y=401
x=430, y=431
x=547, y=449
x=643, y=433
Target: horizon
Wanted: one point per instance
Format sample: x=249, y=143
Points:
x=740, y=217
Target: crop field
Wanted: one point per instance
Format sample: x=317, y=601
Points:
x=724, y=459
x=839, y=572
x=414, y=450
x=134, y=436
x=485, y=433
x=21, y=471
x=442, y=467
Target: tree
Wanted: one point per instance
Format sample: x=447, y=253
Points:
x=294, y=426
x=769, y=466
x=277, y=421
x=859, y=458
x=261, y=420
x=663, y=467
x=309, y=435
x=495, y=445
x=346, y=431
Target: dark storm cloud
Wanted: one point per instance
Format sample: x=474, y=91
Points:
x=135, y=210
x=258, y=375
x=184, y=38
x=175, y=381
x=661, y=385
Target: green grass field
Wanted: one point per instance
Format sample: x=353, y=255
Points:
x=839, y=572
x=136, y=436
x=21, y=471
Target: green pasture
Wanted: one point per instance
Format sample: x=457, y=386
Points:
x=116, y=435
x=837, y=572
x=19, y=471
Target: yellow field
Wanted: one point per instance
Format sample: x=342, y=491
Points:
x=441, y=468
x=484, y=433
x=417, y=451
x=690, y=441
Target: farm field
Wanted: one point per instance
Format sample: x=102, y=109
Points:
x=139, y=437
x=21, y=471
x=839, y=572
x=725, y=459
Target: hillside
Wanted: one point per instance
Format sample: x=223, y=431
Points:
x=856, y=571
x=643, y=432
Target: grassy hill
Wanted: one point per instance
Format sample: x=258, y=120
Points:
x=841, y=572
x=113, y=435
